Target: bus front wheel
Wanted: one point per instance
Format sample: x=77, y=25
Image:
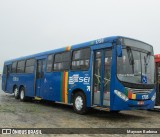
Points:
x=79, y=103
x=22, y=94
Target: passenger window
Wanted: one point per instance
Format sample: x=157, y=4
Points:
x=14, y=66
x=38, y=69
x=20, y=66
x=62, y=61
x=81, y=59
x=50, y=63
x=30, y=66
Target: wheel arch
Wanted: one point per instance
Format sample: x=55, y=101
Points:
x=14, y=86
x=21, y=86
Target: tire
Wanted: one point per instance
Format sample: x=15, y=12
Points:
x=22, y=94
x=79, y=103
x=16, y=93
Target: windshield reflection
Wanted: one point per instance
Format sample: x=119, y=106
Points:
x=135, y=67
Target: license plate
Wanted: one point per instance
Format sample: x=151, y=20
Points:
x=140, y=102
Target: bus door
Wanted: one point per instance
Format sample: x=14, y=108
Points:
x=5, y=79
x=102, y=76
x=40, y=80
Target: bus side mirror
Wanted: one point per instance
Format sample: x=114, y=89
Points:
x=119, y=50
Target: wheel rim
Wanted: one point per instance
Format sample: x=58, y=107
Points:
x=79, y=103
x=15, y=92
x=22, y=94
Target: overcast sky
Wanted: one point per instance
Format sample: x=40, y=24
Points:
x=32, y=26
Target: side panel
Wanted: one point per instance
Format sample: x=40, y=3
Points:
x=56, y=86
x=80, y=80
x=29, y=84
x=49, y=91
x=25, y=80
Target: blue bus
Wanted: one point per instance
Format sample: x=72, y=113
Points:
x=114, y=73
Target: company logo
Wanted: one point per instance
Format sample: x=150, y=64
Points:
x=15, y=79
x=6, y=131
x=21, y=131
x=75, y=78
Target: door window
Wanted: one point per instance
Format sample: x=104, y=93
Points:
x=107, y=70
x=97, y=71
x=38, y=69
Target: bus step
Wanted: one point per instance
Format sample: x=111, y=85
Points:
x=101, y=108
x=37, y=98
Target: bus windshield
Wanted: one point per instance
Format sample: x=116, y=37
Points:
x=135, y=66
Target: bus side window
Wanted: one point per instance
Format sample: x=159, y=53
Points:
x=20, y=66
x=9, y=69
x=62, y=61
x=29, y=68
x=81, y=59
x=14, y=67
x=50, y=63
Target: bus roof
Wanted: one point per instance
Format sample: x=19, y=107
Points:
x=90, y=43
x=157, y=57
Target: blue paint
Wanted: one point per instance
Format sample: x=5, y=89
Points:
x=48, y=87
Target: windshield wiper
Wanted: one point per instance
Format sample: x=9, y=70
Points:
x=130, y=57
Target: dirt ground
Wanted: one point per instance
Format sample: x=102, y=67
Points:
x=16, y=114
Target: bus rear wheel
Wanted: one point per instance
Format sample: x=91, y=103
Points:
x=79, y=103
x=16, y=93
x=22, y=94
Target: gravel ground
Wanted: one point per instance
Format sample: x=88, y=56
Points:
x=16, y=114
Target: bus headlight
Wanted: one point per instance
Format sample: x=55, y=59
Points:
x=153, y=97
x=121, y=95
